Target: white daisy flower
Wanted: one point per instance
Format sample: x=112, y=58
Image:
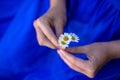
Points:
x=62, y=43
x=74, y=37
x=65, y=37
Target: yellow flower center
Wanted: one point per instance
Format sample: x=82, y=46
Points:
x=73, y=38
x=65, y=38
x=63, y=43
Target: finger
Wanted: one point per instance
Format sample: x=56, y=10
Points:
x=76, y=61
x=42, y=39
x=71, y=65
x=48, y=32
x=80, y=49
x=58, y=27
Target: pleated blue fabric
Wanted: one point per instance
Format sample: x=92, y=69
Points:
x=21, y=58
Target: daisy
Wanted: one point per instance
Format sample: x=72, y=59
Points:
x=74, y=37
x=65, y=37
x=63, y=44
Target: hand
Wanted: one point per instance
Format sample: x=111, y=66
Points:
x=54, y=18
x=98, y=54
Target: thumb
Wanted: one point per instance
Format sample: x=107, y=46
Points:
x=80, y=49
x=59, y=28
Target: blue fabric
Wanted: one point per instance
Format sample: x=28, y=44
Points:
x=21, y=58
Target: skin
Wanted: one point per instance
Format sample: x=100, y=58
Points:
x=54, y=18
x=98, y=53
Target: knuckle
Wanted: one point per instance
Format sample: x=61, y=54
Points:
x=41, y=42
x=91, y=75
x=91, y=72
x=43, y=19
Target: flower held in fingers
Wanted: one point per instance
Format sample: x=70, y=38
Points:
x=74, y=37
x=65, y=39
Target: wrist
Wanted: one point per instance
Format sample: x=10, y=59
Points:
x=114, y=49
x=59, y=5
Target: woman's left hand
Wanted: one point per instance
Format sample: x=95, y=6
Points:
x=98, y=54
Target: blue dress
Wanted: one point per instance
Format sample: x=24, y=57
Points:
x=21, y=58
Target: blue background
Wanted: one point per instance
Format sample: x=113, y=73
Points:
x=21, y=58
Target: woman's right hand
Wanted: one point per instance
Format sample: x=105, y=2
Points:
x=54, y=18
x=98, y=54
